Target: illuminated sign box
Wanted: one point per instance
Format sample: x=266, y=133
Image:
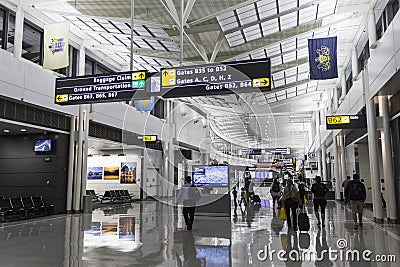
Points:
x=89, y=89
x=149, y=138
x=217, y=78
x=345, y=122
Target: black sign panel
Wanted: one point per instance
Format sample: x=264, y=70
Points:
x=219, y=78
x=345, y=122
x=251, y=151
x=99, y=88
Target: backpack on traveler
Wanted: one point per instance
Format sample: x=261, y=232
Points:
x=276, y=188
x=357, y=191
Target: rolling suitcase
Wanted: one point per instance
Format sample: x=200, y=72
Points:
x=256, y=199
x=303, y=222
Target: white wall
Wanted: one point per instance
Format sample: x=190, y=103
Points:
x=385, y=59
x=23, y=80
x=100, y=186
x=350, y=160
x=186, y=130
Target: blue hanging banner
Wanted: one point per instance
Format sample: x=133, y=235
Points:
x=323, y=58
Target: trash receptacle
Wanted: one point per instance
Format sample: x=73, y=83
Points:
x=87, y=204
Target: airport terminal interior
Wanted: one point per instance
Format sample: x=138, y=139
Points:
x=277, y=122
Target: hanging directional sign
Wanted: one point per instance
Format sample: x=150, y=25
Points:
x=99, y=88
x=346, y=122
x=218, y=78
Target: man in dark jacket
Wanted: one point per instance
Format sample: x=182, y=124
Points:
x=319, y=190
x=355, y=190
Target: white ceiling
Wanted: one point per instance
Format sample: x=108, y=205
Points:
x=222, y=31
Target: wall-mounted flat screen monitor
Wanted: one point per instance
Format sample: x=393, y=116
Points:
x=42, y=145
x=210, y=175
x=264, y=175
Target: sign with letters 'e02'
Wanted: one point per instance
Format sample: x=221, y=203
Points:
x=345, y=122
x=99, y=88
x=215, y=79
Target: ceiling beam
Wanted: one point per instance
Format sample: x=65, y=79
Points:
x=289, y=65
x=217, y=46
x=278, y=15
x=172, y=10
x=261, y=43
x=114, y=19
x=195, y=29
x=188, y=9
x=199, y=44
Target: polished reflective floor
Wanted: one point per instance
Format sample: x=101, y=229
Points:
x=153, y=234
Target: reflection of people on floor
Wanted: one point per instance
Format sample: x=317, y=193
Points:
x=249, y=214
x=276, y=222
x=321, y=248
x=359, y=245
x=189, y=251
x=304, y=240
x=235, y=216
x=293, y=253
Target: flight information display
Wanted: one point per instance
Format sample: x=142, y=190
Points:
x=218, y=78
x=210, y=175
x=99, y=88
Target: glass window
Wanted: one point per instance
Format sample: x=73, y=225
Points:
x=32, y=44
x=395, y=7
x=101, y=69
x=2, y=26
x=89, y=66
x=11, y=33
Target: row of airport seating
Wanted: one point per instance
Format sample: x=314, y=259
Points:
x=20, y=208
x=111, y=196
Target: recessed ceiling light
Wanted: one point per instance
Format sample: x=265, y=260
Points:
x=6, y=131
x=23, y=130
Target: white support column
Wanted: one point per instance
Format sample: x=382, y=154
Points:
x=388, y=171
x=324, y=165
x=318, y=141
x=85, y=147
x=373, y=150
x=371, y=28
x=336, y=167
x=78, y=169
x=335, y=99
x=343, y=81
x=19, y=30
x=71, y=164
x=81, y=150
x=354, y=63
x=342, y=159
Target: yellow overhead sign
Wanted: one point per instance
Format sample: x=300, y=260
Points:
x=338, y=120
x=149, y=138
x=261, y=82
x=168, y=77
x=140, y=75
x=62, y=98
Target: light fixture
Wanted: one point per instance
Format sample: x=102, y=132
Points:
x=6, y=131
x=23, y=130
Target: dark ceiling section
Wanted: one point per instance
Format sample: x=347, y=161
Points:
x=22, y=112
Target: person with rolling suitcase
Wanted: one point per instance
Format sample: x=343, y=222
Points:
x=319, y=190
x=256, y=199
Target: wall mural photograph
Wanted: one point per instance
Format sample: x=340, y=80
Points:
x=111, y=173
x=95, y=173
x=128, y=172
